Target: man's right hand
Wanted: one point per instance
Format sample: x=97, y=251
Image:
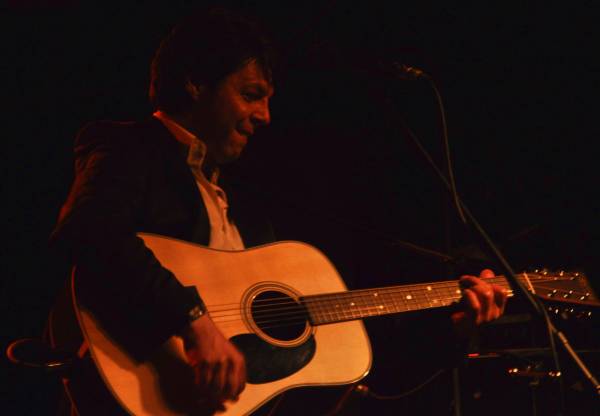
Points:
x=220, y=369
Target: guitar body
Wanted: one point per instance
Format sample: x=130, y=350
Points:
x=233, y=285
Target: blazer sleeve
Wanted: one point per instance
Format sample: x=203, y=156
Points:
x=118, y=278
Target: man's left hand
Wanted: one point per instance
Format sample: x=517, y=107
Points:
x=482, y=302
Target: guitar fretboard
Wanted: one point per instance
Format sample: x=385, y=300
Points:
x=357, y=304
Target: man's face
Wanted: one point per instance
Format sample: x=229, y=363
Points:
x=230, y=113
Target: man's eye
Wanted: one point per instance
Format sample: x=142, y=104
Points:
x=250, y=96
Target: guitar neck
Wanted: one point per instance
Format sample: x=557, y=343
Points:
x=358, y=304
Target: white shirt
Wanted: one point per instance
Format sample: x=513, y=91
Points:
x=224, y=235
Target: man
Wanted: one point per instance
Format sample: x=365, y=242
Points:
x=211, y=85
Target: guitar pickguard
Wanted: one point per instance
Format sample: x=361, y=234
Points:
x=266, y=362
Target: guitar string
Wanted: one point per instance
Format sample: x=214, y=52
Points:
x=300, y=315
x=336, y=298
x=296, y=320
x=303, y=318
x=392, y=290
x=298, y=310
x=297, y=315
x=293, y=305
x=327, y=306
x=436, y=285
x=305, y=321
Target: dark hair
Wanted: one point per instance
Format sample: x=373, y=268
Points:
x=204, y=48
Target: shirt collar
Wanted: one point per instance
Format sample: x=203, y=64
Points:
x=197, y=148
x=181, y=133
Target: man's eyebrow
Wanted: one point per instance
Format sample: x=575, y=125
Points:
x=262, y=87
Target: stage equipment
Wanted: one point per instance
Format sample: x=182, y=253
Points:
x=468, y=219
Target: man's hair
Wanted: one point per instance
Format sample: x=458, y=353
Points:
x=204, y=48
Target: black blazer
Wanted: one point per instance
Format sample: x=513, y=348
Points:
x=133, y=177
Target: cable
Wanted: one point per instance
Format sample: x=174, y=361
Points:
x=364, y=390
x=446, y=143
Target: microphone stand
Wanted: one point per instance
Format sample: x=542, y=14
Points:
x=508, y=271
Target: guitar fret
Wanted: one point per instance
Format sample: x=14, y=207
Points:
x=422, y=297
x=415, y=298
x=425, y=296
x=430, y=296
x=398, y=307
x=346, y=304
x=347, y=313
x=378, y=303
x=388, y=301
x=400, y=298
x=361, y=305
x=379, y=299
x=320, y=311
x=312, y=308
x=364, y=306
x=330, y=311
x=408, y=298
x=338, y=307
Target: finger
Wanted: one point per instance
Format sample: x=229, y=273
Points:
x=486, y=274
x=468, y=281
x=500, y=296
x=239, y=377
x=219, y=385
x=203, y=375
x=472, y=305
x=243, y=375
x=492, y=311
x=485, y=295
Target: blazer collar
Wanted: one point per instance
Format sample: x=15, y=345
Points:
x=179, y=174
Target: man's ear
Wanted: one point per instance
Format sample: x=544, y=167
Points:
x=194, y=90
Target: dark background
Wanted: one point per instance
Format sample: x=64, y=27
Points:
x=334, y=169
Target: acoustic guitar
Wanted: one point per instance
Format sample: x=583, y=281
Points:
x=287, y=310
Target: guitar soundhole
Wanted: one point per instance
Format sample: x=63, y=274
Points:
x=278, y=315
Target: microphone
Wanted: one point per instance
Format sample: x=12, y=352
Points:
x=401, y=71
x=409, y=73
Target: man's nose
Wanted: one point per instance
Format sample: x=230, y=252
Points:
x=262, y=116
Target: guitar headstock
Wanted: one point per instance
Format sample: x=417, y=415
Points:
x=568, y=287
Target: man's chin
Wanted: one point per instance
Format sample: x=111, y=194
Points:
x=230, y=155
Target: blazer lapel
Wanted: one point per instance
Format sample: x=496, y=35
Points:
x=180, y=177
